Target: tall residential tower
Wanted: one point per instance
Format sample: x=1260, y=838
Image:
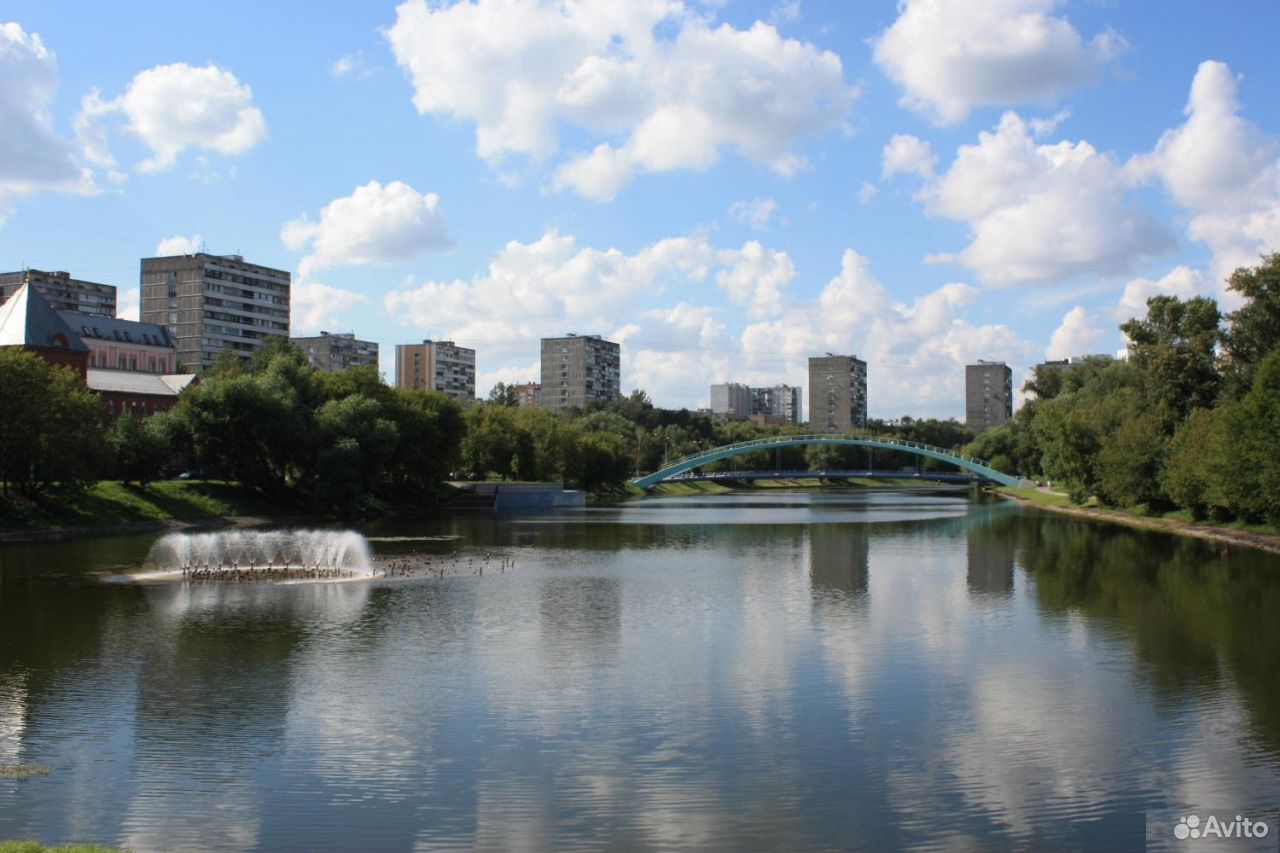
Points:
x=988, y=394
x=211, y=303
x=837, y=393
x=437, y=366
x=579, y=369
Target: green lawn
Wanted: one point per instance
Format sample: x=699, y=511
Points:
x=34, y=847
x=1036, y=496
x=111, y=502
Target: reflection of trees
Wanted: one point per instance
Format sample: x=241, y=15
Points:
x=838, y=558
x=1197, y=615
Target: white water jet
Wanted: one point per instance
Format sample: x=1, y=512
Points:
x=341, y=551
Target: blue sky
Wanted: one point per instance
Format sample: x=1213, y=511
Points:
x=725, y=188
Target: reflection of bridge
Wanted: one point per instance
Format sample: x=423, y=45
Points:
x=689, y=463
x=826, y=474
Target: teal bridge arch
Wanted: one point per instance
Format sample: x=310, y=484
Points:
x=977, y=466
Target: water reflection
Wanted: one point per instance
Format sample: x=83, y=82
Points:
x=938, y=675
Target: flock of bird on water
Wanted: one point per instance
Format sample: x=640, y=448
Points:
x=409, y=565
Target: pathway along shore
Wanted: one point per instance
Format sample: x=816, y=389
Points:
x=1268, y=542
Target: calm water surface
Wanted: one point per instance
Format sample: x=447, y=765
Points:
x=798, y=671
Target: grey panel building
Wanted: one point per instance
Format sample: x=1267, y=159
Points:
x=837, y=393
x=777, y=404
x=334, y=351
x=578, y=370
x=437, y=366
x=211, y=303
x=988, y=394
x=62, y=292
x=732, y=399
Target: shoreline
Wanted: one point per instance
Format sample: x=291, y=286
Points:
x=1267, y=542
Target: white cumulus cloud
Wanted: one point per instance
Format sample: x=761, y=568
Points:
x=657, y=86
x=951, y=56
x=907, y=154
x=315, y=307
x=1076, y=335
x=173, y=108
x=1043, y=212
x=1182, y=282
x=679, y=335
x=33, y=158
x=179, y=245
x=1223, y=169
x=376, y=224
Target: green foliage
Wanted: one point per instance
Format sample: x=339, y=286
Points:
x=1248, y=448
x=1254, y=330
x=1174, y=347
x=51, y=427
x=141, y=447
x=36, y=847
x=430, y=427
x=358, y=440
x=1178, y=426
x=1189, y=475
x=503, y=395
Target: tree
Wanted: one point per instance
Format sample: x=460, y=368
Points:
x=1191, y=468
x=1174, y=347
x=503, y=395
x=430, y=426
x=140, y=448
x=50, y=425
x=358, y=441
x=242, y=429
x=490, y=443
x=1248, y=466
x=1253, y=331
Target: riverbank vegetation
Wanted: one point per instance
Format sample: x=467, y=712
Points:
x=274, y=437
x=36, y=847
x=1190, y=422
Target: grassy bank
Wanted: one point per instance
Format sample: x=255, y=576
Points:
x=35, y=847
x=110, y=503
x=1260, y=536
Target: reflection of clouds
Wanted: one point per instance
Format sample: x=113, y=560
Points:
x=1211, y=765
x=13, y=717
x=166, y=814
x=682, y=688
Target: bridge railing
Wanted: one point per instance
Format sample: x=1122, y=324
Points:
x=810, y=437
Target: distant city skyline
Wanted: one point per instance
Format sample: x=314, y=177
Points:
x=723, y=189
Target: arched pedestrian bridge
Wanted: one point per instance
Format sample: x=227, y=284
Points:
x=977, y=466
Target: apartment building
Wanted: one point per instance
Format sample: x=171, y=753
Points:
x=578, y=370
x=837, y=393
x=211, y=303
x=437, y=366
x=335, y=351
x=776, y=404
x=62, y=292
x=988, y=394
x=732, y=399
x=527, y=393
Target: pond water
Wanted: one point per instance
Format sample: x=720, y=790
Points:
x=842, y=670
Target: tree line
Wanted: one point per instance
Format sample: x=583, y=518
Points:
x=1190, y=421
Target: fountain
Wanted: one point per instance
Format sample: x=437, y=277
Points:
x=262, y=555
